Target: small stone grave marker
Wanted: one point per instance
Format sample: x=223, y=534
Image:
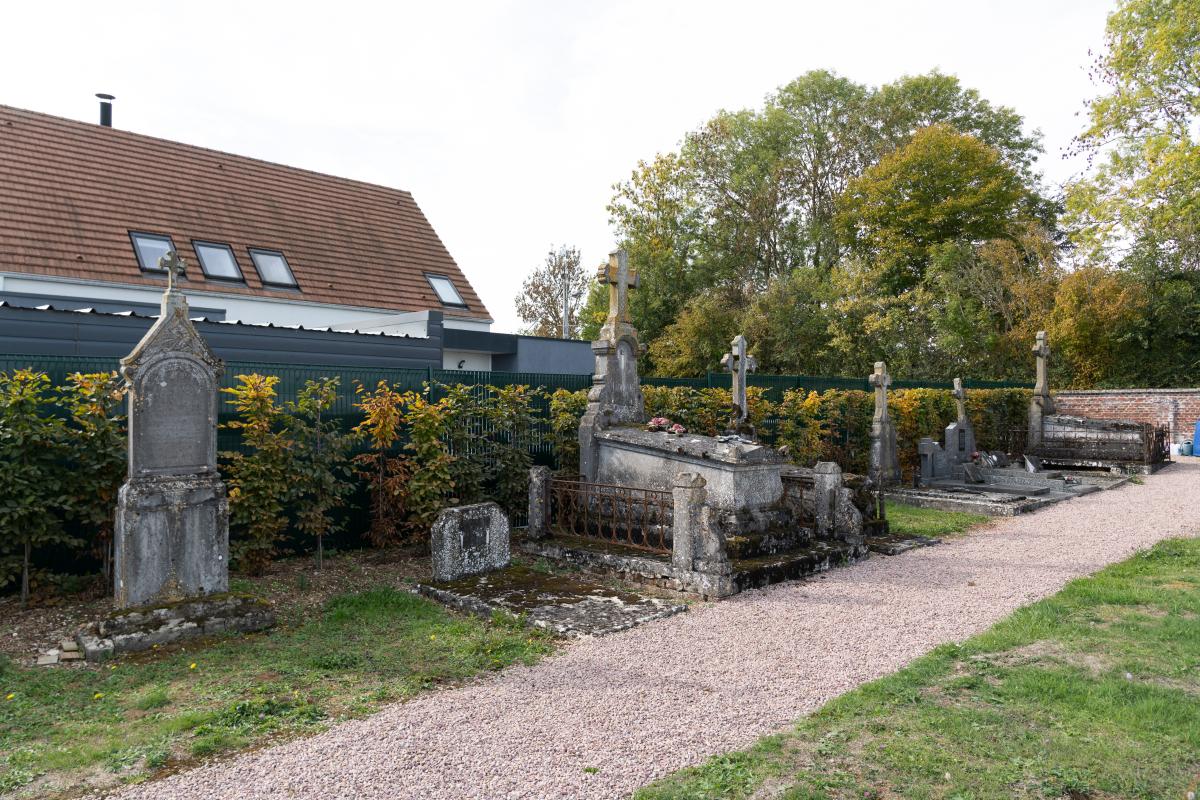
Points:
x=467, y=540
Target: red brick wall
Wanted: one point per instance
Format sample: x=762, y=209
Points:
x=1177, y=409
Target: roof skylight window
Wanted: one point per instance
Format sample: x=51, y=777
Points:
x=217, y=261
x=149, y=248
x=445, y=290
x=272, y=267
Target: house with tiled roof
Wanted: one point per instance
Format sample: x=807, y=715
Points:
x=87, y=210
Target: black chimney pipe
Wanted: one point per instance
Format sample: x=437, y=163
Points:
x=105, y=109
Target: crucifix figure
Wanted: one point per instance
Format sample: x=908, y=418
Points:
x=881, y=381
x=174, y=266
x=1042, y=351
x=738, y=362
x=960, y=398
x=620, y=279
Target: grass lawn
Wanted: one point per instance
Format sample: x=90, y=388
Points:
x=907, y=520
x=1093, y=693
x=66, y=730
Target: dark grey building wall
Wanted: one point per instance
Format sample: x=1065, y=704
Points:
x=67, y=333
x=27, y=300
x=538, y=354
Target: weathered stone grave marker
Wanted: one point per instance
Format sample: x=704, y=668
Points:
x=740, y=363
x=467, y=540
x=172, y=525
x=885, y=461
x=171, y=538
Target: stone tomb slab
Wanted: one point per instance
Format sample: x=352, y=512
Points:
x=565, y=605
x=739, y=475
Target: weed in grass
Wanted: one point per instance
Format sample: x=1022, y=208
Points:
x=155, y=697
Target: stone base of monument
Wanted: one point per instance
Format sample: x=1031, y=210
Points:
x=133, y=629
x=565, y=605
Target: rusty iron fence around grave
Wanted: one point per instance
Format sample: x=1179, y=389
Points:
x=622, y=515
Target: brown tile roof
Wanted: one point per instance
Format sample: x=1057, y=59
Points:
x=71, y=192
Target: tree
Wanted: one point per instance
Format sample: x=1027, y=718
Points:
x=96, y=443
x=32, y=480
x=319, y=463
x=942, y=186
x=1143, y=134
x=540, y=303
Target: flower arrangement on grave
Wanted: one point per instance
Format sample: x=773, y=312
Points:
x=677, y=429
x=658, y=424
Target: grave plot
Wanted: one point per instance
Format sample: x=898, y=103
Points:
x=955, y=476
x=707, y=516
x=1081, y=443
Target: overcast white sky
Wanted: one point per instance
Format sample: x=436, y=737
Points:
x=510, y=121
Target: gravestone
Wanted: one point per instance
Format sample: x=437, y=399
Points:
x=616, y=394
x=960, y=435
x=739, y=363
x=171, y=540
x=885, y=461
x=467, y=540
x=1041, y=405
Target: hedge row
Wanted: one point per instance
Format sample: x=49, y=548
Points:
x=300, y=473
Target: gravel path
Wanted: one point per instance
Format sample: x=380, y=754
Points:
x=641, y=704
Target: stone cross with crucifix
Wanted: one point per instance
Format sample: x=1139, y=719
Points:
x=174, y=266
x=960, y=399
x=1042, y=351
x=619, y=278
x=1041, y=404
x=885, y=460
x=881, y=381
x=740, y=363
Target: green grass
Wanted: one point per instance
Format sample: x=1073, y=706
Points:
x=1093, y=693
x=912, y=521
x=136, y=715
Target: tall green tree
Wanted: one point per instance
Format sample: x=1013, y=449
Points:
x=1142, y=136
x=942, y=186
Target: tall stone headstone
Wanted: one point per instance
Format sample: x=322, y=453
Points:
x=739, y=363
x=885, y=461
x=960, y=435
x=616, y=394
x=1041, y=405
x=172, y=522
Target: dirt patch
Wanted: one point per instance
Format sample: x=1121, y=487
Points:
x=1048, y=652
x=293, y=587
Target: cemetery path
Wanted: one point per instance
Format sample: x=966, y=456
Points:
x=609, y=715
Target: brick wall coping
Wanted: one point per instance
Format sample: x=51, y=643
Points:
x=1116, y=392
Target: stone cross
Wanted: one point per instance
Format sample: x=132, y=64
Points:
x=738, y=362
x=1042, y=351
x=881, y=381
x=960, y=398
x=174, y=266
x=620, y=279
